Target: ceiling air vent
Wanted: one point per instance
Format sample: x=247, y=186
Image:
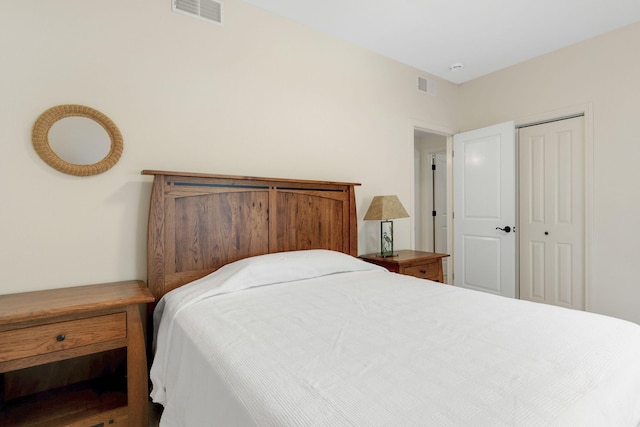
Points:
x=427, y=86
x=206, y=9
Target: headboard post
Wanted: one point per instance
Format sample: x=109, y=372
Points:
x=353, y=222
x=156, y=238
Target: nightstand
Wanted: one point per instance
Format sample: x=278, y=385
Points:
x=57, y=330
x=425, y=265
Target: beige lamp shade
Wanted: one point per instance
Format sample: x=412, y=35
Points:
x=385, y=207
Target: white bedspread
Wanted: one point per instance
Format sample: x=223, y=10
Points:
x=373, y=348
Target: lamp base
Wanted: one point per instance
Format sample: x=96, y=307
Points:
x=386, y=239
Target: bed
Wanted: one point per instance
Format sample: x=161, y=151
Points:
x=267, y=318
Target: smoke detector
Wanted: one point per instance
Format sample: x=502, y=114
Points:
x=454, y=68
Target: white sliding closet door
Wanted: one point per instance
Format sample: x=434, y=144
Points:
x=552, y=206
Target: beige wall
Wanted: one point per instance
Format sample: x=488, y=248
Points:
x=265, y=96
x=604, y=73
x=258, y=96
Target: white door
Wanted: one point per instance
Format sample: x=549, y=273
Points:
x=484, y=213
x=551, y=170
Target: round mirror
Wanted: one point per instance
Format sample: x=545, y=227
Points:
x=77, y=140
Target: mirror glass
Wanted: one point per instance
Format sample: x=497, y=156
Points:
x=79, y=140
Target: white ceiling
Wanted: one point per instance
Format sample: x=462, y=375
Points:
x=483, y=35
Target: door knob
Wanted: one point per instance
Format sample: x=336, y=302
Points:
x=506, y=229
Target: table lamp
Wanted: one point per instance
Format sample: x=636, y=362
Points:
x=386, y=208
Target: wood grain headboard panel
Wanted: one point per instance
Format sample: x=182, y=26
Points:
x=200, y=222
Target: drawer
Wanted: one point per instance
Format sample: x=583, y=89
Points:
x=429, y=271
x=37, y=340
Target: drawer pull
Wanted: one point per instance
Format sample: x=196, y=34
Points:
x=423, y=271
x=60, y=338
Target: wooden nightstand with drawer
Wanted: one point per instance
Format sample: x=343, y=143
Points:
x=425, y=265
x=55, y=331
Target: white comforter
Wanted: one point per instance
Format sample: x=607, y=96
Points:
x=317, y=338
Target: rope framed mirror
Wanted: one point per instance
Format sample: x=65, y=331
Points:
x=77, y=140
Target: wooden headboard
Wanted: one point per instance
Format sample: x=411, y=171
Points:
x=200, y=222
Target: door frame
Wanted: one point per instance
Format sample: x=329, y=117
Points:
x=448, y=133
x=587, y=111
